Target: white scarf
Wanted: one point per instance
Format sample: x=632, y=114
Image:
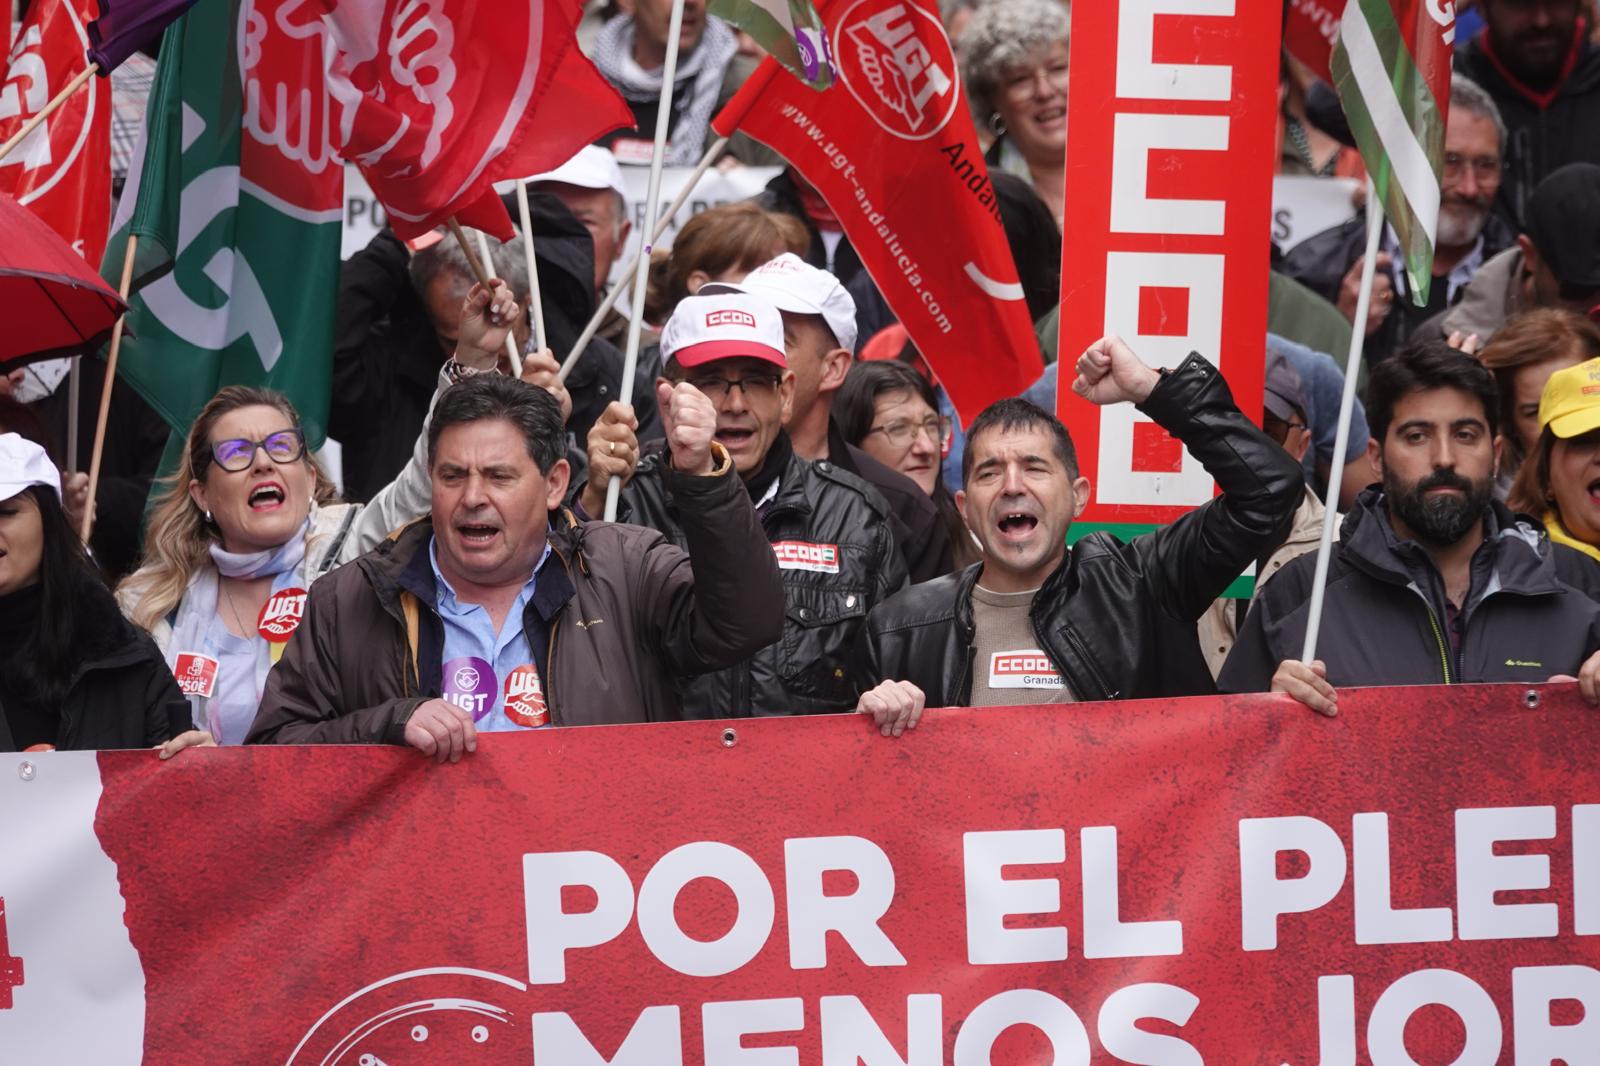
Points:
x=199, y=628
x=699, y=73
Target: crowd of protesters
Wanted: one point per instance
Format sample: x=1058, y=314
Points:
x=804, y=526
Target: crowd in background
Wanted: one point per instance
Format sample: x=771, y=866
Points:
x=805, y=526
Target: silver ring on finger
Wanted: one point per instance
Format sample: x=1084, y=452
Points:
x=611, y=448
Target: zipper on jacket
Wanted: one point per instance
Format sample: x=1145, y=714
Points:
x=549, y=670
x=1438, y=636
x=1094, y=671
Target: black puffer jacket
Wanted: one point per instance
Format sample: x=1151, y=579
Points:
x=1541, y=135
x=1116, y=619
x=122, y=694
x=1384, y=615
x=837, y=558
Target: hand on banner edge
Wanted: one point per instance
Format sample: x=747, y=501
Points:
x=1588, y=680
x=441, y=730
x=193, y=738
x=895, y=706
x=1308, y=684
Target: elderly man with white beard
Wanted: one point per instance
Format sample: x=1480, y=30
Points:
x=1469, y=234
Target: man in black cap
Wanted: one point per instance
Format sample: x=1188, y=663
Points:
x=1535, y=59
x=1556, y=262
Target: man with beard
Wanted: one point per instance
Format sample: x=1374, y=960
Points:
x=1330, y=262
x=1432, y=580
x=1535, y=59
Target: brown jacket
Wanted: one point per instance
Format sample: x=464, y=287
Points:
x=629, y=618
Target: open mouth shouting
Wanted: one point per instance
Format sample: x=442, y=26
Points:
x=266, y=496
x=1017, y=526
x=476, y=535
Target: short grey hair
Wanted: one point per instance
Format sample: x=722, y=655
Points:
x=446, y=257
x=1004, y=34
x=1468, y=95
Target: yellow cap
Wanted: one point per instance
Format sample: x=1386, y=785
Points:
x=1570, y=405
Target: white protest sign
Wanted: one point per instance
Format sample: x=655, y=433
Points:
x=1303, y=207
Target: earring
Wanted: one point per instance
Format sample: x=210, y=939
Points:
x=208, y=518
x=997, y=125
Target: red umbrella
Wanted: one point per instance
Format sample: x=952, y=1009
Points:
x=51, y=301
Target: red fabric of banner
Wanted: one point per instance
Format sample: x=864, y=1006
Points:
x=438, y=101
x=62, y=170
x=892, y=149
x=1319, y=879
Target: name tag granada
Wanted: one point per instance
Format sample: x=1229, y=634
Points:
x=799, y=555
x=196, y=674
x=1029, y=668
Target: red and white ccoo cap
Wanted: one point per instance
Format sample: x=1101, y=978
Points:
x=728, y=325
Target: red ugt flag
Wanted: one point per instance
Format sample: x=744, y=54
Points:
x=438, y=101
x=896, y=158
x=62, y=170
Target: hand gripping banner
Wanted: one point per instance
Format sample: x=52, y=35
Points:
x=1226, y=880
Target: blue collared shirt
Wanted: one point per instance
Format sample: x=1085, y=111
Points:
x=478, y=662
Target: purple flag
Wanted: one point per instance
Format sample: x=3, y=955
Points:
x=126, y=25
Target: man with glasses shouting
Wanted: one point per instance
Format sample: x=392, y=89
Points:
x=829, y=530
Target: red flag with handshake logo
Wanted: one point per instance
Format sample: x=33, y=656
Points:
x=896, y=157
x=437, y=101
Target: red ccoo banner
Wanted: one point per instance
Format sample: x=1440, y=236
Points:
x=1230, y=880
x=1170, y=139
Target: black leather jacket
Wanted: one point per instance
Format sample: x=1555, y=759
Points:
x=1117, y=619
x=826, y=594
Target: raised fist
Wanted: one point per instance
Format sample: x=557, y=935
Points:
x=690, y=420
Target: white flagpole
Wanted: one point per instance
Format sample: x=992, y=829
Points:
x=1341, y=439
x=630, y=363
x=533, y=265
x=632, y=264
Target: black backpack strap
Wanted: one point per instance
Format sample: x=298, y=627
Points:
x=331, y=560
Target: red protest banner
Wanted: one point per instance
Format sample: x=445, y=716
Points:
x=62, y=170
x=1170, y=126
x=440, y=100
x=1232, y=880
x=893, y=152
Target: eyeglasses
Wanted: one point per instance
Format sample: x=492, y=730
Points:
x=236, y=454
x=1023, y=82
x=902, y=432
x=1278, y=429
x=1484, y=168
x=755, y=386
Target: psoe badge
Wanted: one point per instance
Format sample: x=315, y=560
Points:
x=281, y=614
x=196, y=674
x=524, y=698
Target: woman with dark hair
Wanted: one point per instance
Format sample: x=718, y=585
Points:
x=74, y=674
x=891, y=412
x=1560, y=480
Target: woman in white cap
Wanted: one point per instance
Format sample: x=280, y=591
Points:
x=251, y=519
x=74, y=674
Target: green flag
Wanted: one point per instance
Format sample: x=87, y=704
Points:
x=791, y=31
x=236, y=203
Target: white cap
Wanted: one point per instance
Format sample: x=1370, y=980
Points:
x=592, y=168
x=728, y=325
x=22, y=464
x=795, y=286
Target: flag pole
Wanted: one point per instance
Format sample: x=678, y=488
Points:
x=533, y=264
x=49, y=109
x=632, y=264
x=484, y=279
x=105, y=387
x=74, y=388
x=1341, y=440
x=641, y=270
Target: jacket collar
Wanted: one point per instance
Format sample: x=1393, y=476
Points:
x=1515, y=555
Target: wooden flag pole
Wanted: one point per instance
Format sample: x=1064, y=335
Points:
x=632, y=264
x=49, y=109
x=641, y=271
x=1341, y=439
x=484, y=279
x=105, y=387
x=533, y=264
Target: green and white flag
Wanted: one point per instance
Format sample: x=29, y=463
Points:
x=791, y=31
x=1391, y=68
x=237, y=201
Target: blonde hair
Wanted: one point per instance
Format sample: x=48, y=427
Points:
x=179, y=538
